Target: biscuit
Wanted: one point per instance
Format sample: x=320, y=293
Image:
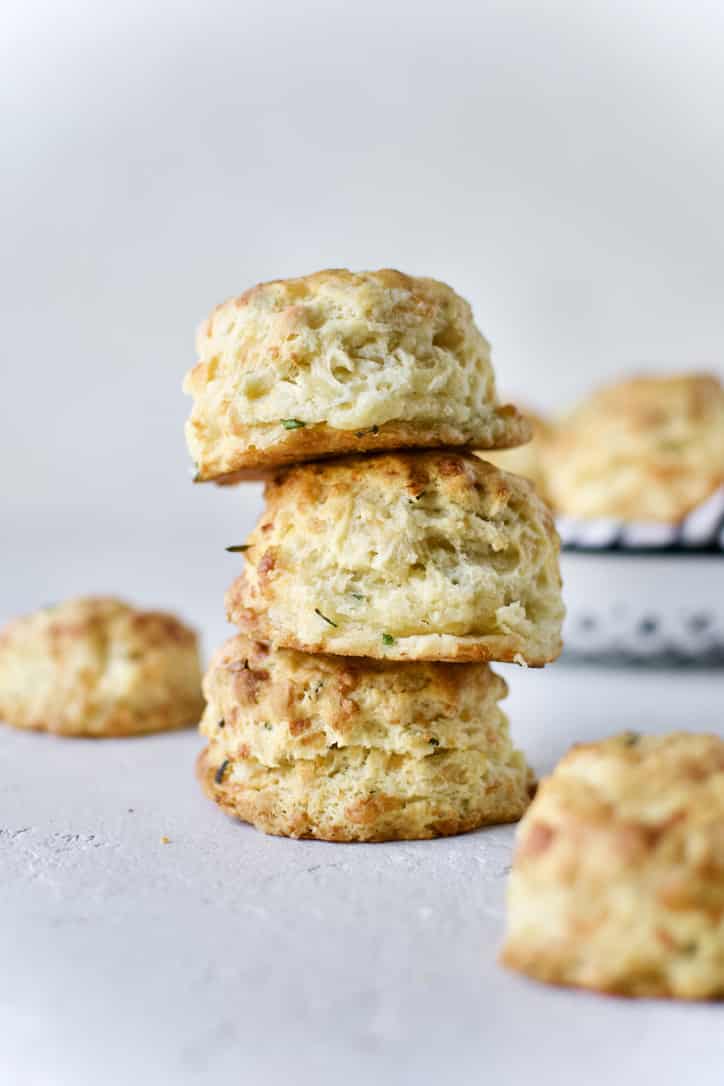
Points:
x=649, y=448
x=340, y=362
x=403, y=556
x=358, y=794
x=358, y=750
x=276, y=705
x=98, y=667
x=527, y=460
x=618, y=878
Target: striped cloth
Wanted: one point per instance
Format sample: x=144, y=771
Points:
x=701, y=531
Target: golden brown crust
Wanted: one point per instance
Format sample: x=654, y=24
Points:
x=97, y=667
x=648, y=448
x=407, y=556
x=618, y=878
x=305, y=800
x=322, y=442
x=340, y=362
x=120, y=725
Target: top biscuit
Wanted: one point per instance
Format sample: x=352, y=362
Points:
x=340, y=362
x=649, y=448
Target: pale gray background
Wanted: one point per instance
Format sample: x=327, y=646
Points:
x=562, y=165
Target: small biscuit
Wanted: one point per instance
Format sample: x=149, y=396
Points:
x=649, y=448
x=358, y=750
x=340, y=362
x=527, y=460
x=618, y=877
x=98, y=667
x=403, y=556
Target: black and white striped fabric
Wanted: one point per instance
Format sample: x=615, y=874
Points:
x=701, y=531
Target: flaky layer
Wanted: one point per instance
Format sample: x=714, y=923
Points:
x=98, y=667
x=618, y=878
x=435, y=556
x=340, y=362
x=358, y=794
x=274, y=705
x=649, y=448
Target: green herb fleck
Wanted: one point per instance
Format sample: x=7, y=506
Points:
x=324, y=617
x=219, y=775
x=356, y=596
x=387, y=639
x=631, y=738
x=221, y=724
x=293, y=424
x=371, y=430
x=433, y=741
x=267, y=726
x=238, y=548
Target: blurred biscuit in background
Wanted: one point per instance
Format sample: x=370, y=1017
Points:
x=618, y=877
x=96, y=666
x=341, y=362
x=646, y=448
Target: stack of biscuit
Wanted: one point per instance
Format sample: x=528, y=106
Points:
x=389, y=567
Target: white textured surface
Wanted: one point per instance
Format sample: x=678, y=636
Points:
x=227, y=956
